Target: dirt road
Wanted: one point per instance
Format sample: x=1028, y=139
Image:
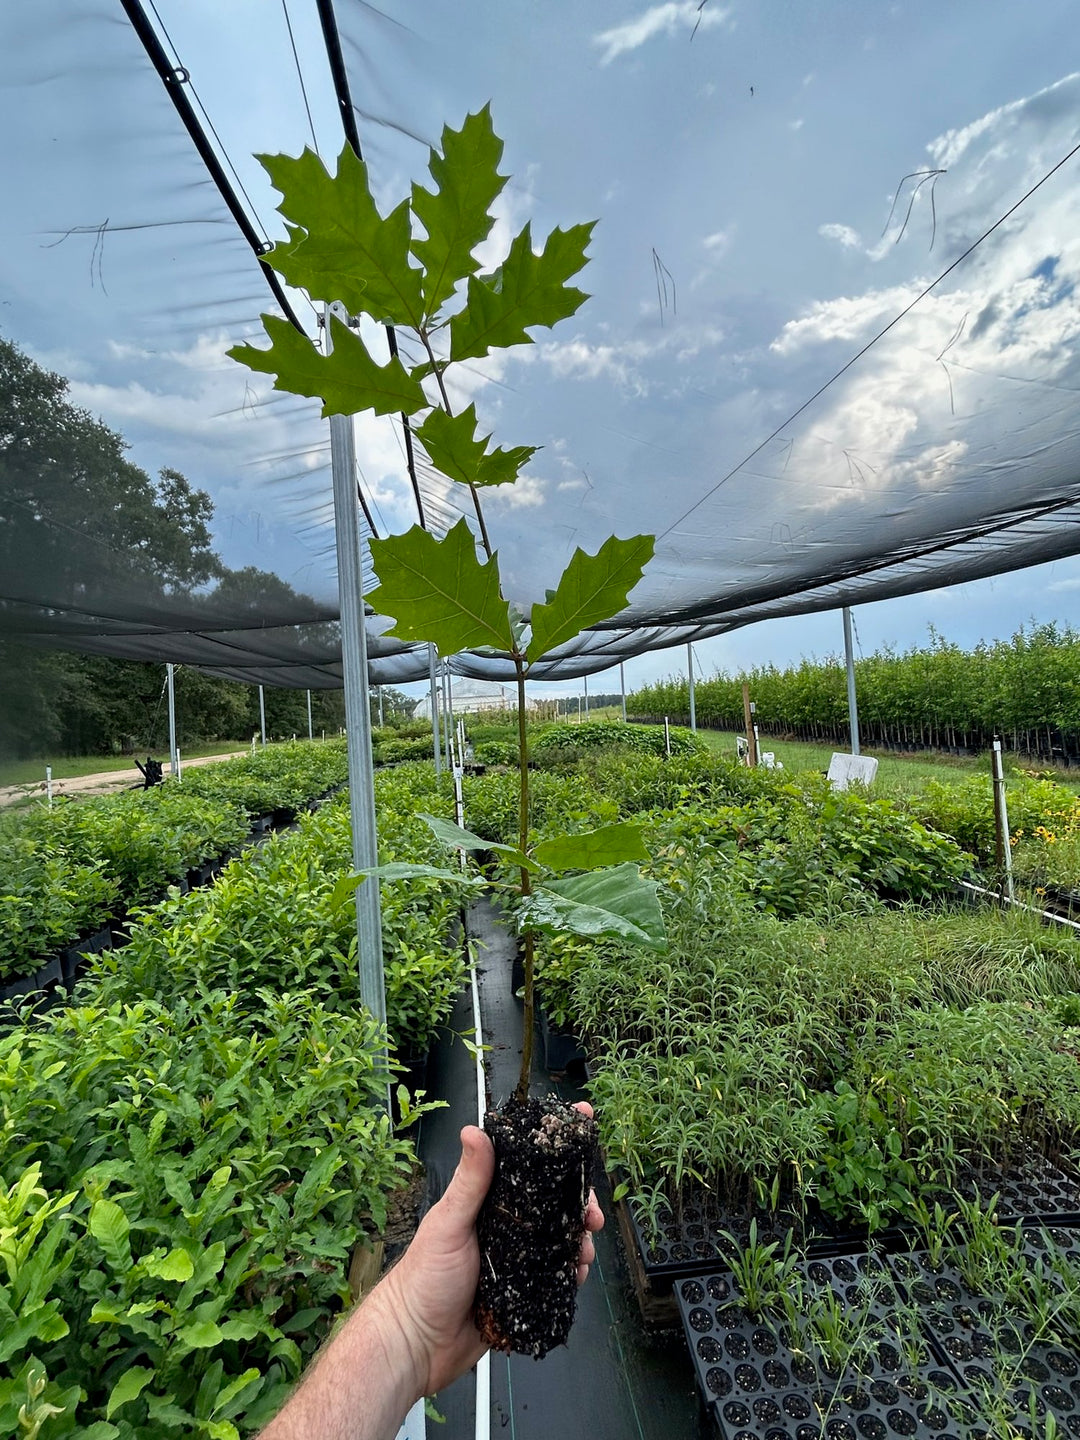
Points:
x=100, y=784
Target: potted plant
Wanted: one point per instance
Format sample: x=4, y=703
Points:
x=440, y=590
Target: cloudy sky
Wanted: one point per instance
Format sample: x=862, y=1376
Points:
x=774, y=185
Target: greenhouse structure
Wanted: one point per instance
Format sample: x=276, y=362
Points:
x=349, y=346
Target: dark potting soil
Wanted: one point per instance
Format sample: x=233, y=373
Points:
x=531, y=1224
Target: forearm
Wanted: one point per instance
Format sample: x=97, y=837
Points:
x=361, y=1385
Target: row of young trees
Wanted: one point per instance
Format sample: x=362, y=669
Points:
x=939, y=696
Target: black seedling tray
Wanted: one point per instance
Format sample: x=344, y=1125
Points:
x=761, y=1382
x=1034, y=1192
x=974, y=1333
x=872, y=1407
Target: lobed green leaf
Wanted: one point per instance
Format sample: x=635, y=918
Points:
x=339, y=246
x=439, y=591
x=346, y=381
x=591, y=588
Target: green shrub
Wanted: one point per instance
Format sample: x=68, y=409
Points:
x=219, y=1175
x=47, y=900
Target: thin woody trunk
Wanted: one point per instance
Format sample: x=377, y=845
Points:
x=522, y=1092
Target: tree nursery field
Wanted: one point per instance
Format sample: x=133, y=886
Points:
x=840, y=1110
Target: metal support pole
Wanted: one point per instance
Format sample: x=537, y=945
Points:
x=667, y=738
x=381, y=722
x=585, y=678
x=262, y=714
x=436, y=739
x=448, y=717
x=310, y=732
x=751, y=728
x=1001, y=821
x=690, y=672
x=852, y=703
x=48, y=783
x=357, y=715
x=622, y=689
x=170, y=683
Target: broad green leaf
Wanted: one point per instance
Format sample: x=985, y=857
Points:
x=453, y=448
x=222, y=1430
x=450, y=834
x=202, y=1335
x=349, y=252
x=455, y=215
x=526, y=290
x=177, y=1265
x=616, y=902
x=110, y=1228
x=129, y=1387
x=346, y=381
x=234, y=1388
x=439, y=591
x=613, y=845
x=397, y=870
x=591, y=588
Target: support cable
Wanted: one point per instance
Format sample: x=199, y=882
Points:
x=870, y=343
x=175, y=78
x=300, y=74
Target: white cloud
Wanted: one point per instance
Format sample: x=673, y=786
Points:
x=667, y=19
x=627, y=362
x=849, y=317
x=948, y=149
x=1059, y=585
x=718, y=241
x=847, y=237
x=526, y=493
x=796, y=124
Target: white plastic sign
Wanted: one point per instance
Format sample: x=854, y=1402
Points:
x=845, y=770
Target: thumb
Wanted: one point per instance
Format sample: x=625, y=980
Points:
x=471, y=1180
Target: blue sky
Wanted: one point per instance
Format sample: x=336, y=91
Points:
x=759, y=161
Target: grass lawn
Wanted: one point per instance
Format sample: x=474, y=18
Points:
x=30, y=772
x=897, y=774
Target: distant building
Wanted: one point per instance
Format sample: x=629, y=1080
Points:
x=470, y=697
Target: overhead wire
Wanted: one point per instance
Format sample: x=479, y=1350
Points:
x=870, y=343
x=300, y=75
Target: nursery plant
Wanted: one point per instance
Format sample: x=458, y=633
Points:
x=416, y=269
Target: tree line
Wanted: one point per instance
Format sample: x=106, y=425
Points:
x=936, y=696
x=79, y=520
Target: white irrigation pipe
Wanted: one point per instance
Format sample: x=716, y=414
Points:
x=1019, y=905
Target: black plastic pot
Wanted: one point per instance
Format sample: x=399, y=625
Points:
x=561, y=1047
x=73, y=958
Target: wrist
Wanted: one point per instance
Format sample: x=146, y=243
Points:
x=401, y=1351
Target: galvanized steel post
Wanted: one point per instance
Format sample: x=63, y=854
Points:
x=852, y=703
x=435, y=733
x=690, y=673
x=357, y=714
x=170, y=683
x=310, y=735
x=622, y=689
x=262, y=715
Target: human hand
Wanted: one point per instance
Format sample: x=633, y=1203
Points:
x=428, y=1296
